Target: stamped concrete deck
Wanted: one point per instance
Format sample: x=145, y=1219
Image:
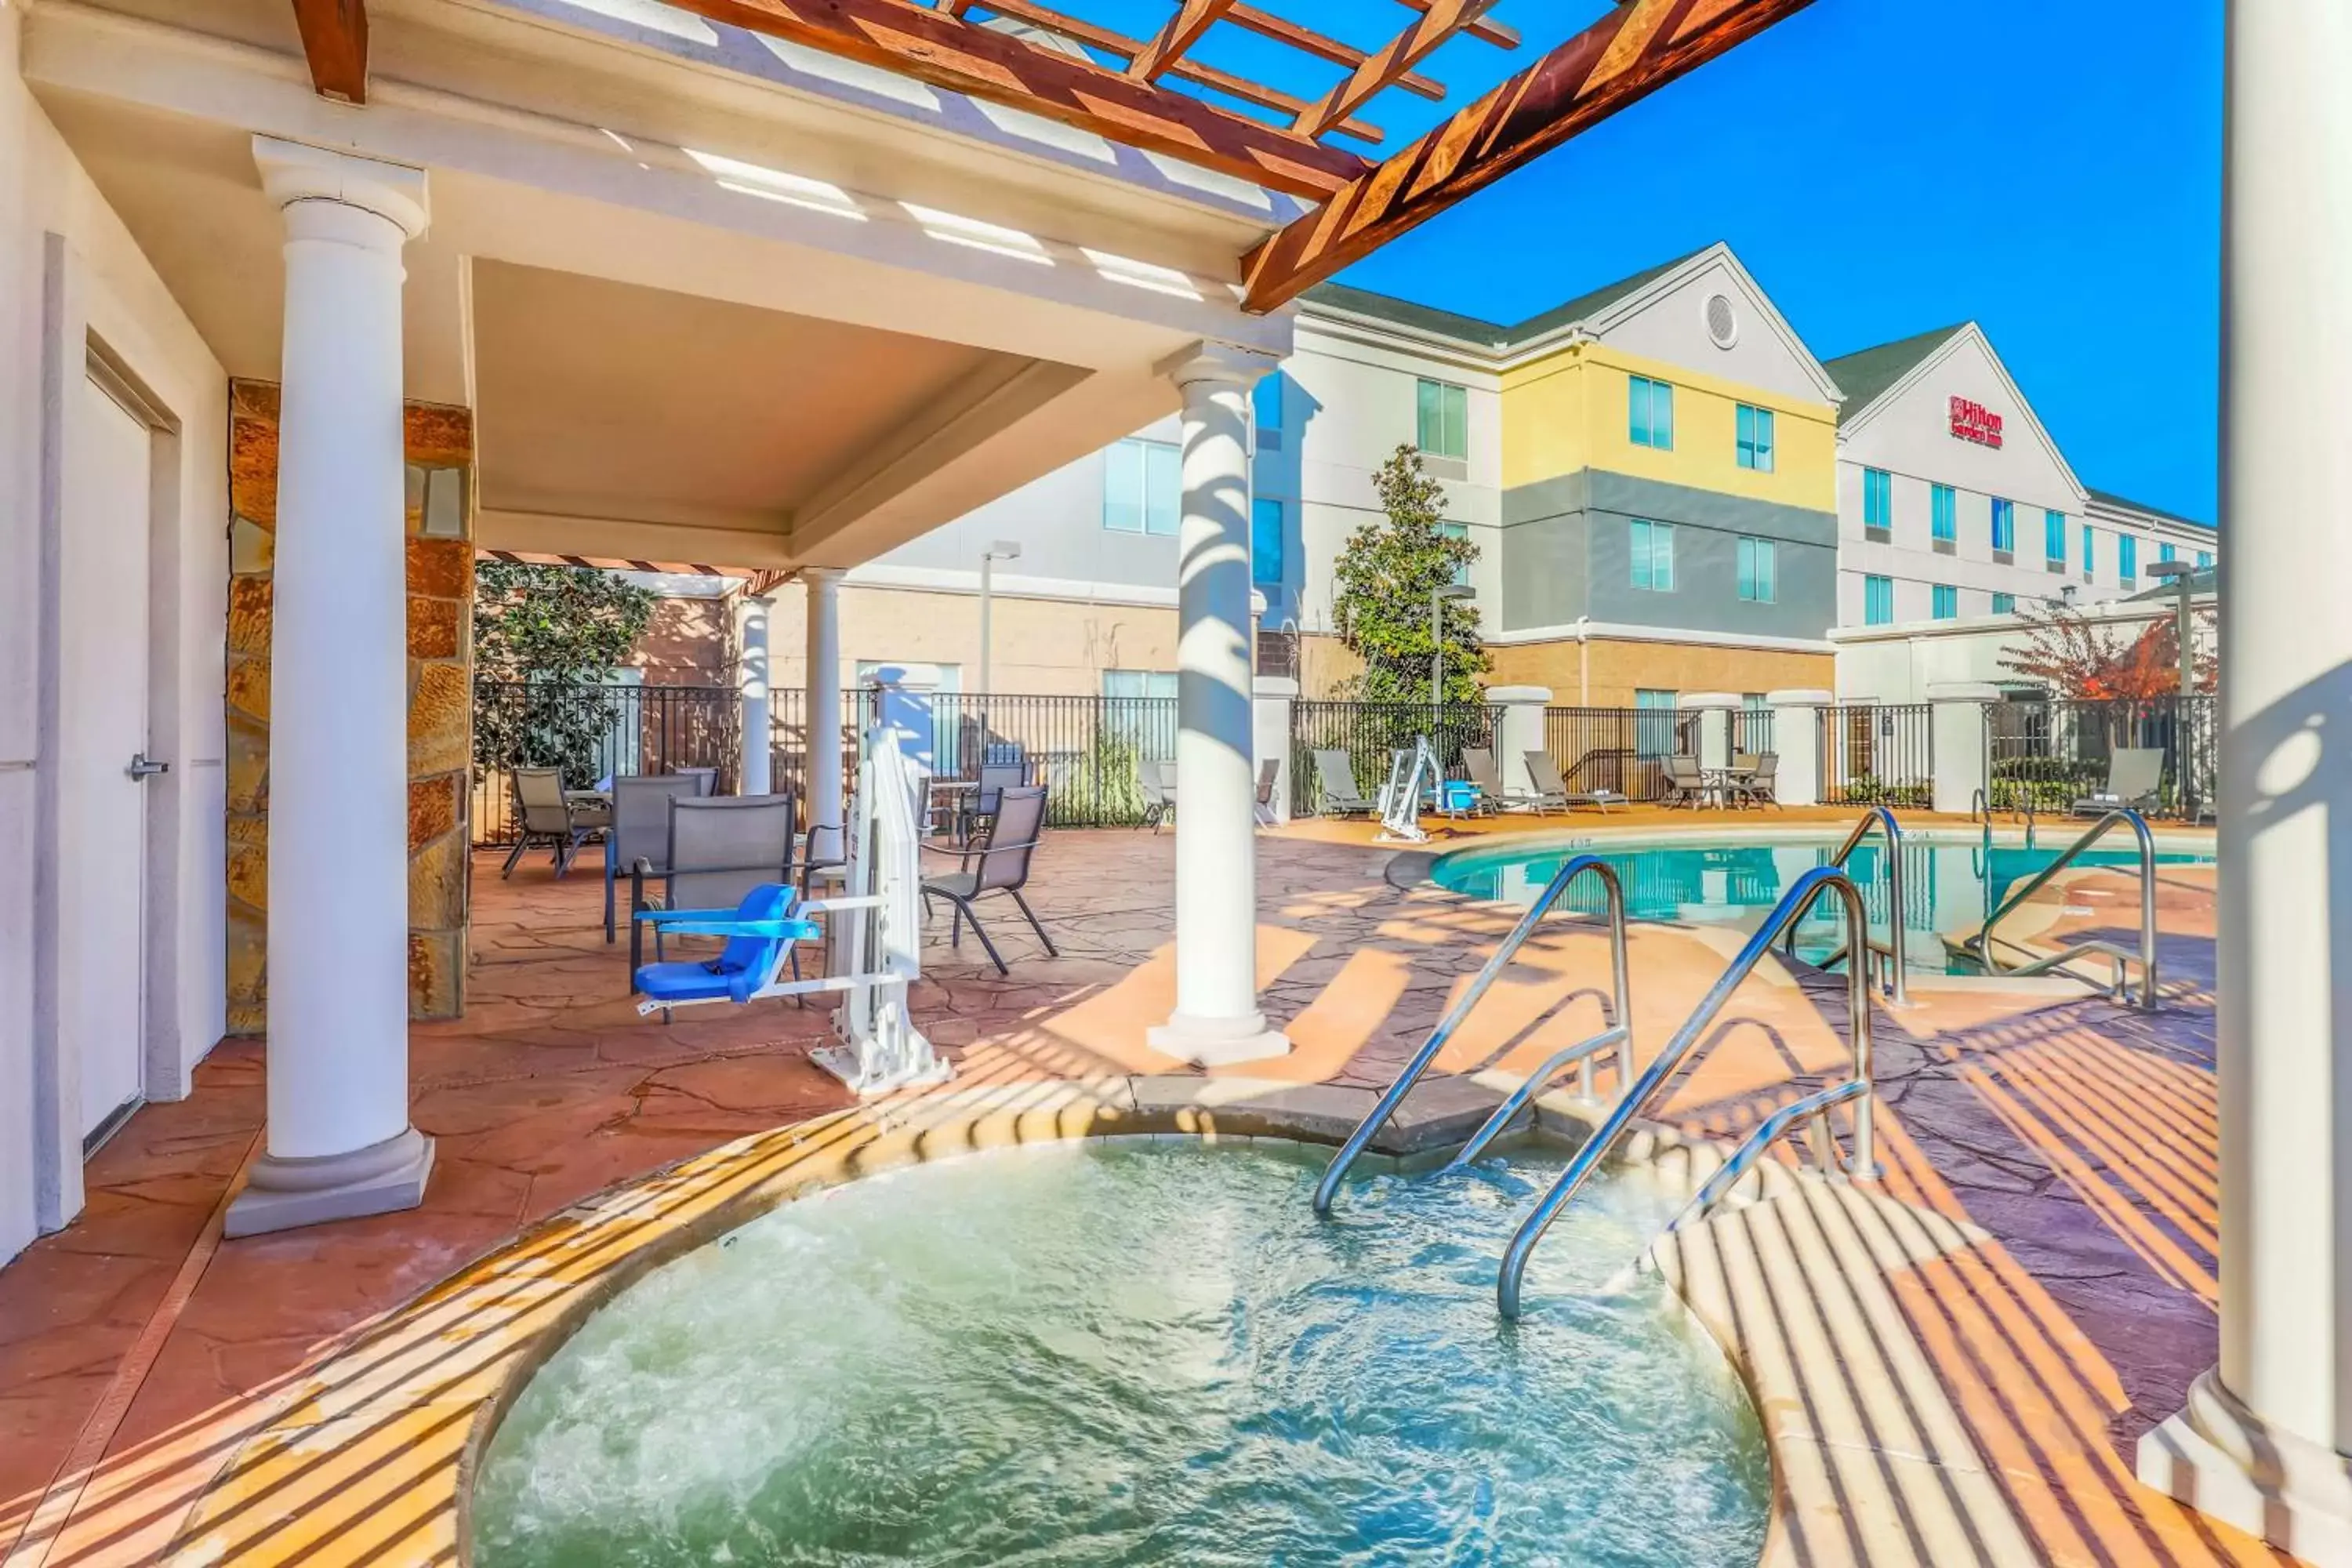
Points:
x=1953, y=1363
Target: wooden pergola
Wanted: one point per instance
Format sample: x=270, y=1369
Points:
x=1360, y=202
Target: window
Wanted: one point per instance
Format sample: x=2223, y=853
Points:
x=2090, y=556
x=1457, y=531
x=2127, y=557
x=1877, y=601
x=1877, y=499
x=1141, y=487
x=1759, y=571
x=2004, y=527
x=1266, y=540
x=2053, y=540
x=1945, y=603
x=1755, y=438
x=1265, y=402
x=1138, y=683
x=1653, y=556
x=1653, y=726
x=2164, y=551
x=1650, y=412
x=1444, y=420
x=1943, y=514
x=2204, y=561
x=2004, y=604
x=1133, y=715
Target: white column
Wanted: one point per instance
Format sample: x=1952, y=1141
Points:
x=823, y=808
x=340, y=1140
x=2264, y=1440
x=1797, y=741
x=1520, y=730
x=1217, y=1017
x=757, y=776
x=1714, y=710
x=1958, y=713
x=1270, y=734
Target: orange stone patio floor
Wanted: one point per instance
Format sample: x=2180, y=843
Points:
x=1953, y=1363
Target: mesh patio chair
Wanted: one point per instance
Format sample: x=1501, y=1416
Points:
x=546, y=817
x=996, y=778
x=1337, y=775
x=1685, y=782
x=2134, y=774
x=997, y=863
x=1157, y=779
x=1757, y=779
x=1552, y=791
x=706, y=780
x=718, y=848
x=640, y=829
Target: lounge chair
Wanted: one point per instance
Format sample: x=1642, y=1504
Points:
x=1337, y=775
x=640, y=827
x=1553, y=794
x=1757, y=779
x=1479, y=763
x=719, y=849
x=997, y=863
x=1157, y=779
x=546, y=817
x=2134, y=773
x=1269, y=774
x=1685, y=782
x=761, y=932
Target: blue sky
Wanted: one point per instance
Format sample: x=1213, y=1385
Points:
x=2051, y=168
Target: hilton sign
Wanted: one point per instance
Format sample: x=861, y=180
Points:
x=1972, y=421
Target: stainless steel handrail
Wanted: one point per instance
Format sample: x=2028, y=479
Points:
x=1812, y=1107
x=1861, y=1162
x=1619, y=1032
x=1883, y=818
x=1984, y=945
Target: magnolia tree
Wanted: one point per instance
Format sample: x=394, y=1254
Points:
x=2090, y=660
x=1392, y=566
x=545, y=637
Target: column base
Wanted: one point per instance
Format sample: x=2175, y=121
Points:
x=2221, y=1459
x=284, y=1194
x=1214, y=1041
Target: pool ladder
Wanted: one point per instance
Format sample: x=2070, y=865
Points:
x=1984, y=949
x=1888, y=953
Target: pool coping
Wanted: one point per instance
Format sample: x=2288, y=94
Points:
x=415, y=1397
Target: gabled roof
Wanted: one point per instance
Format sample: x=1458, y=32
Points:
x=1868, y=374
x=2125, y=503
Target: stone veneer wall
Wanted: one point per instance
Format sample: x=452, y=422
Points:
x=440, y=572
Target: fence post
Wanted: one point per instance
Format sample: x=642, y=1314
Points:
x=1797, y=741
x=1958, y=739
x=1270, y=699
x=1518, y=731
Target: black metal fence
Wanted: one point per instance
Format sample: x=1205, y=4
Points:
x=1089, y=751
x=2047, y=754
x=1370, y=733
x=1878, y=753
x=592, y=732
x=1621, y=750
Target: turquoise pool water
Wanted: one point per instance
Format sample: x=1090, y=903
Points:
x=1947, y=885
x=1139, y=1353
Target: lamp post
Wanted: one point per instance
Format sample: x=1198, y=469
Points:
x=1000, y=550
x=1437, y=598
x=2181, y=575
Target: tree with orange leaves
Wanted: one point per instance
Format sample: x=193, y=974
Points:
x=2090, y=661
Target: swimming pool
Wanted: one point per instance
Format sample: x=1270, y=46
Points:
x=1138, y=1352
x=1948, y=881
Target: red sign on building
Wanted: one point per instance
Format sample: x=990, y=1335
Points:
x=1972, y=421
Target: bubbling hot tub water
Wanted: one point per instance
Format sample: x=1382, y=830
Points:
x=1137, y=1352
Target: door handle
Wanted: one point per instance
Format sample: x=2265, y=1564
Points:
x=143, y=770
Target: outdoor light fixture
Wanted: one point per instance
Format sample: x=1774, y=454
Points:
x=998, y=550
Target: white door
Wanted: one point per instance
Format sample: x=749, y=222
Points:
x=102, y=725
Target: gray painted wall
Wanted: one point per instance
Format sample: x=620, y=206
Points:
x=1567, y=552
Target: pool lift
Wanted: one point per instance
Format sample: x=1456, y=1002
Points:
x=1400, y=797
x=875, y=929
x=1637, y=1092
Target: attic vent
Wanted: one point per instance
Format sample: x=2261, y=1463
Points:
x=1722, y=325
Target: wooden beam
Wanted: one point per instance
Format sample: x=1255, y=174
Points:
x=1282, y=30
x=936, y=48
x=335, y=40
x=1399, y=55
x=1183, y=30
x=1485, y=29
x=1620, y=59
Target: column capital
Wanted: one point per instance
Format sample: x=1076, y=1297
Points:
x=823, y=576
x=1211, y=364
x=292, y=172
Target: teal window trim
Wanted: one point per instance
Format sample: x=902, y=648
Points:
x=2053, y=538
x=2163, y=551
x=1457, y=531
x=2004, y=604
x=1943, y=602
x=2004, y=525
x=2204, y=561
x=2127, y=557
x=1944, y=513
x=1652, y=554
x=1877, y=601
x=1653, y=725
x=1267, y=530
x=1442, y=419
x=2090, y=550
x=1755, y=437
x=1650, y=412
x=1142, y=488
x=1759, y=571
x=1877, y=499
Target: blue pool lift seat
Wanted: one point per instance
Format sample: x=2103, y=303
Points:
x=759, y=933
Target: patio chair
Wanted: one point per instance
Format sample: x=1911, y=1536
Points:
x=1157, y=779
x=1337, y=775
x=996, y=778
x=546, y=817
x=1758, y=780
x=1685, y=782
x=640, y=827
x=706, y=780
x=719, y=849
x=2134, y=772
x=1269, y=775
x=1552, y=791
x=997, y=863
x=762, y=935
x=1478, y=761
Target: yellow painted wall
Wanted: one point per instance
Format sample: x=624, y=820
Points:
x=1568, y=411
